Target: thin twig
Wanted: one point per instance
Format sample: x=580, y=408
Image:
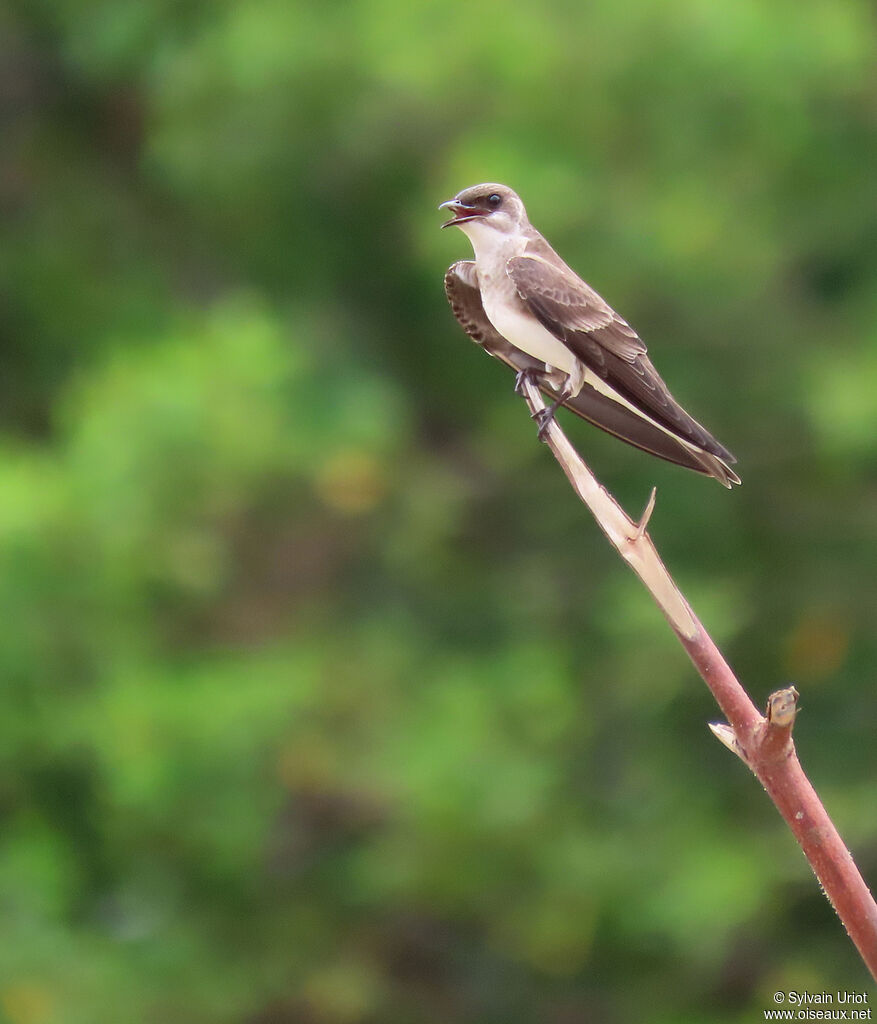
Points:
x=763, y=742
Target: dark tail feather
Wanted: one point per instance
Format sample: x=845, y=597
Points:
x=628, y=426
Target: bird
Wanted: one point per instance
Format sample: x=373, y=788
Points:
x=520, y=302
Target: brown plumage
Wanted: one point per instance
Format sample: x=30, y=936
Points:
x=644, y=413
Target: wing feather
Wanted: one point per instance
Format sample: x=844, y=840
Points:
x=576, y=315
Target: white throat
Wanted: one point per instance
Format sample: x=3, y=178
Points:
x=492, y=246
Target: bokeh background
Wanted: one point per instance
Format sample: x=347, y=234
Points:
x=323, y=699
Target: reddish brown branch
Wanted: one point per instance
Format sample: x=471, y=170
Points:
x=763, y=742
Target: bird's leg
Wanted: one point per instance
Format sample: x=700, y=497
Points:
x=565, y=386
x=543, y=417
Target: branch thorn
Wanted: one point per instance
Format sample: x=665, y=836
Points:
x=645, y=517
x=726, y=735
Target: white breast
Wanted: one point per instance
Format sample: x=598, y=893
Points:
x=523, y=330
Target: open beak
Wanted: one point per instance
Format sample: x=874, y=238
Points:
x=461, y=212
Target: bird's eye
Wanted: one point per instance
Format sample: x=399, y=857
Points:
x=494, y=200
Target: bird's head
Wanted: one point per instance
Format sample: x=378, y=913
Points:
x=486, y=208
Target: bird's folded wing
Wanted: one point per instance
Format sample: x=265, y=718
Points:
x=465, y=299
x=559, y=296
x=604, y=342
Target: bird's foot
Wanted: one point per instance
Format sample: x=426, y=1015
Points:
x=523, y=377
x=545, y=417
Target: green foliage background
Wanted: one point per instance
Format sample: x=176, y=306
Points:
x=323, y=700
